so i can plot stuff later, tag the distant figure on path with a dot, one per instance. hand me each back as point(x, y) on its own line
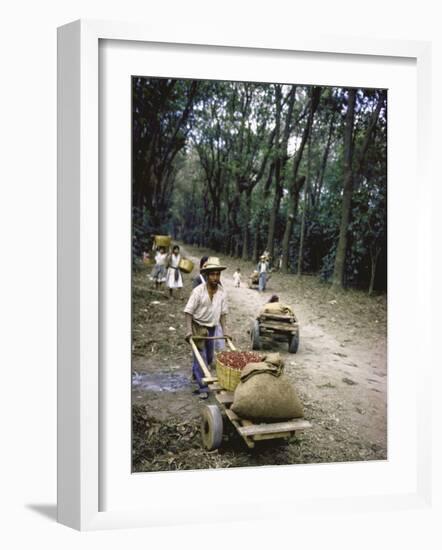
point(262, 269)
point(174, 279)
point(200, 277)
point(158, 274)
point(237, 278)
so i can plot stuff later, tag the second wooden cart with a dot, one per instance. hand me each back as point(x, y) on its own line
point(275, 325)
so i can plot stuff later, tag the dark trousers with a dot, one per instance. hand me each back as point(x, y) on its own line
point(207, 355)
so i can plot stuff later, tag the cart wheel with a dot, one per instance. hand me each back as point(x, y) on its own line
point(211, 427)
point(256, 340)
point(293, 343)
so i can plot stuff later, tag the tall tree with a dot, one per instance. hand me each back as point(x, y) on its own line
point(338, 272)
point(305, 206)
point(161, 112)
point(319, 182)
point(281, 158)
point(218, 169)
point(297, 183)
point(341, 250)
point(255, 145)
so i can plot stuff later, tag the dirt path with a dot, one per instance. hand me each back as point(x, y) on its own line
point(339, 369)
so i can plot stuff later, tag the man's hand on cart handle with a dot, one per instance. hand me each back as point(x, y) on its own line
point(188, 336)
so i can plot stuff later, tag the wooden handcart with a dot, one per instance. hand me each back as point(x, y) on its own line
point(214, 413)
point(274, 325)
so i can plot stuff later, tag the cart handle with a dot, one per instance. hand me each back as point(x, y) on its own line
point(198, 355)
point(200, 359)
point(210, 337)
point(226, 338)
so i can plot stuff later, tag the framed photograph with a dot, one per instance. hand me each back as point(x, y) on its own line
point(227, 213)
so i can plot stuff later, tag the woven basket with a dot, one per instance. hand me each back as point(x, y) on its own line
point(227, 378)
point(185, 265)
point(162, 240)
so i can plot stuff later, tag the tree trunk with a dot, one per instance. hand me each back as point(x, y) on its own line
point(371, 127)
point(316, 194)
point(273, 215)
point(234, 205)
point(246, 228)
point(291, 215)
point(374, 261)
point(233, 246)
point(304, 210)
point(277, 173)
point(341, 250)
point(281, 160)
point(255, 254)
point(237, 248)
point(297, 184)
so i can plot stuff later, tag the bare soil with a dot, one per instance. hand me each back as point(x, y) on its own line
point(339, 372)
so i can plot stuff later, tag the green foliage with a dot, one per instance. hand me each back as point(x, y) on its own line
point(142, 231)
point(205, 159)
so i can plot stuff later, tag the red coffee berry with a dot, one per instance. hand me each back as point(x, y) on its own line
point(238, 359)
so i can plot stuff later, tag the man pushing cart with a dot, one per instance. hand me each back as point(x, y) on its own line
point(205, 309)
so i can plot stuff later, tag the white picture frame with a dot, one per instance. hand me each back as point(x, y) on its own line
point(80, 395)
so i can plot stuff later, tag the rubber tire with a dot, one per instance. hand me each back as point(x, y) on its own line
point(256, 340)
point(211, 427)
point(293, 343)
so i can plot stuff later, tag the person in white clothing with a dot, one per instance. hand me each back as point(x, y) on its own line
point(263, 268)
point(158, 274)
point(237, 278)
point(201, 279)
point(205, 309)
point(174, 279)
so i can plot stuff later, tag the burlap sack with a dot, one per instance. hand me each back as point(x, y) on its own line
point(274, 358)
point(277, 308)
point(264, 393)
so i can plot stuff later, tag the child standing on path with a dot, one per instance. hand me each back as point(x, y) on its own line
point(237, 278)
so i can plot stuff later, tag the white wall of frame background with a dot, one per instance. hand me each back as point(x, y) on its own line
point(28, 274)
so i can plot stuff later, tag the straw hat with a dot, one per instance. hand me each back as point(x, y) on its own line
point(212, 264)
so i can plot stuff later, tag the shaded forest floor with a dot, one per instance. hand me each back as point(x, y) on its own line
point(339, 371)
